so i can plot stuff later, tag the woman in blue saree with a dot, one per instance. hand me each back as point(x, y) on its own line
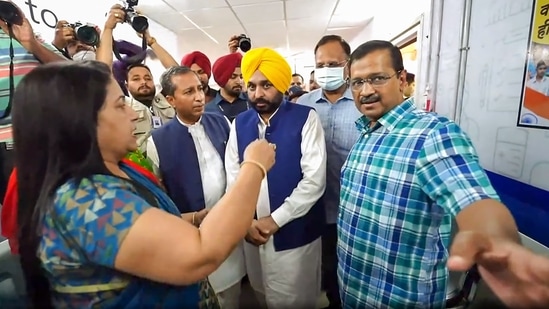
point(94, 232)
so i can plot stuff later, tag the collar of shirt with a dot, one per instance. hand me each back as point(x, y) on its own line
point(218, 98)
point(271, 117)
point(543, 79)
point(189, 125)
point(318, 95)
point(390, 120)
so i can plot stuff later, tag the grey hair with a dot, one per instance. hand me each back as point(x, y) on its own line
point(166, 79)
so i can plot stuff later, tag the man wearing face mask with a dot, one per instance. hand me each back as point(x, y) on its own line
point(336, 110)
point(283, 246)
point(65, 41)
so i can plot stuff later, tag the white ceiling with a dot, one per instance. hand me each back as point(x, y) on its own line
point(293, 27)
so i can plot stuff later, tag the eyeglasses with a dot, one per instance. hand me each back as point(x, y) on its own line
point(375, 81)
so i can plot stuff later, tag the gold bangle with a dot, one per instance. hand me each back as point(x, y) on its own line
point(194, 215)
point(151, 42)
point(261, 167)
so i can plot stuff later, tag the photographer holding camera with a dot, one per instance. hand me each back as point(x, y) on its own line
point(231, 98)
point(76, 41)
point(30, 51)
point(152, 108)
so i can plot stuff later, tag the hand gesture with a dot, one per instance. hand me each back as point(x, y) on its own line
point(519, 277)
point(115, 16)
point(233, 44)
point(267, 226)
point(261, 152)
point(22, 33)
point(255, 236)
point(63, 34)
point(200, 215)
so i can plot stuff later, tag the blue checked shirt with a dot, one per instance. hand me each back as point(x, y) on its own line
point(338, 120)
point(403, 181)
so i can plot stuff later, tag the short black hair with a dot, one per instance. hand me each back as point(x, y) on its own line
point(334, 38)
point(297, 74)
point(375, 45)
point(166, 79)
point(410, 78)
point(137, 65)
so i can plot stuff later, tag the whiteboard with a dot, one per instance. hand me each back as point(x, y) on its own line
point(494, 75)
point(446, 85)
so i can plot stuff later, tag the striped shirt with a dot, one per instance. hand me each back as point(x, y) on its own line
point(23, 63)
point(403, 181)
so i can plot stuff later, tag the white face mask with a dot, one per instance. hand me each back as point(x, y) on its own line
point(330, 78)
point(84, 55)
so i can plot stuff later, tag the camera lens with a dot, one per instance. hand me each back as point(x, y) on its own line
point(140, 24)
point(244, 44)
point(87, 35)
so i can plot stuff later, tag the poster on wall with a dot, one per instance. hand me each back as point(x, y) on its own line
point(534, 108)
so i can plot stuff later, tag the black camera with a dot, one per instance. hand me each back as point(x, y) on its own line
point(9, 13)
point(244, 43)
point(139, 23)
point(85, 33)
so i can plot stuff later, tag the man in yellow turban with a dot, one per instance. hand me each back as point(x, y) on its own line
point(270, 68)
point(283, 245)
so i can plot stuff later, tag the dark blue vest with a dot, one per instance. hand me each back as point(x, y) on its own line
point(179, 166)
point(284, 131)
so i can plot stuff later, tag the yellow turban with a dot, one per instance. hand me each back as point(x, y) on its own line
point(275, 68)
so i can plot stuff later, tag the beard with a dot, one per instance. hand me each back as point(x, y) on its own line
point(205, 85)
point(140, 95)
point(234, 91)
point(266, 107)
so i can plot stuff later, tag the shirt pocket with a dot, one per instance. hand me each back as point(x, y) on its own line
point(142, 124)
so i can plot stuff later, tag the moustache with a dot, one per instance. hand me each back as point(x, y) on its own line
point(369, 99)
point(144, 87)
point(258, 101)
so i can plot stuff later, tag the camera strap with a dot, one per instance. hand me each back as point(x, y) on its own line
point(133, 59)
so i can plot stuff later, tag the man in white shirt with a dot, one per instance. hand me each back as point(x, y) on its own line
point(283, 245)
point(540, 82)
point(187, 154)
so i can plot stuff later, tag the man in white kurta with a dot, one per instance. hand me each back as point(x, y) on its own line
point(187, 155)
point(283, 248)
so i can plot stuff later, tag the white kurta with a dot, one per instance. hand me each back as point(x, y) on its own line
point(290, 278)
point(212, 173)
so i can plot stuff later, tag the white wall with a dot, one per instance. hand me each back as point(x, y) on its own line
point(498, 41)
point(43, 15)
point(390, 19)
point(444, 78)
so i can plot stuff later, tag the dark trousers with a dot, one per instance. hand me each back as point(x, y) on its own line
point(329, 265)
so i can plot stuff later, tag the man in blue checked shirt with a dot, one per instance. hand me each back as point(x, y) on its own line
point(407, 176)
